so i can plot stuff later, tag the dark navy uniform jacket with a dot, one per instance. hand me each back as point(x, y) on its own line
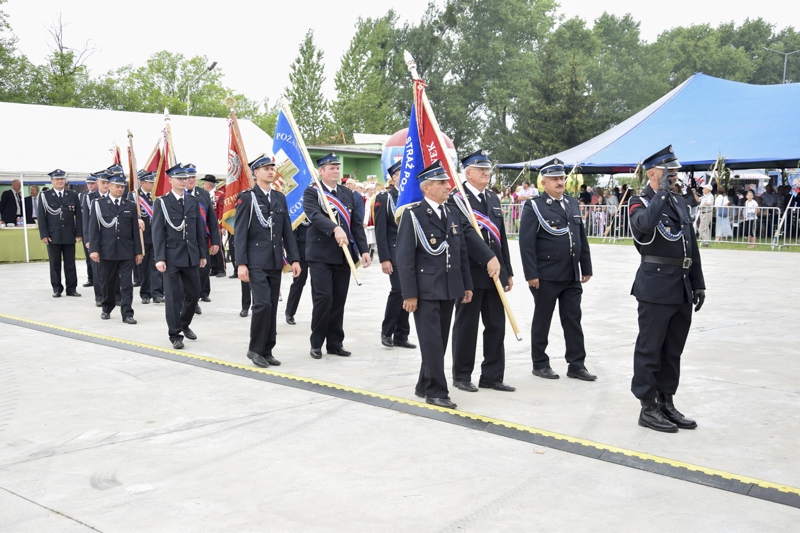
point(385, 226)
point(120, 242)
point(212, 225)
point(86, 198)
point(320, 244)
point(178, 248)
point(300, 233)
point(550, 257)
point(65, 227)
point(255, 245)
point(664, 284)
point(143, 216)
point(482, 248)
point(426, 276)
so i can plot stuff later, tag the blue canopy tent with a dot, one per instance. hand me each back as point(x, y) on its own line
point(751, 126)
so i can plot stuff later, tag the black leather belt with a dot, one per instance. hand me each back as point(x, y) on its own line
point(685, 262)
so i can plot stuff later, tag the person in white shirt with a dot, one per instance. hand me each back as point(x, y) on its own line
point(723, 213)
point(706, 214)
point(750, 216)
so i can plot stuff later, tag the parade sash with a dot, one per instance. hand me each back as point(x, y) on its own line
point(339, 207)
point(480, 218)
point(204, 215)
point(147, 208)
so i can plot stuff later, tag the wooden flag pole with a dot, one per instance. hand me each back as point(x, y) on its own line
point(132, 169)
point(412, 67)
point(345, 247)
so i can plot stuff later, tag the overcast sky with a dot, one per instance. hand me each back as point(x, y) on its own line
point(255, 41)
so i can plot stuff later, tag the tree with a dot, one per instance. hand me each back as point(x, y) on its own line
point(363, 86)
point(63, 77)
point(308, 104)
point(15, 69)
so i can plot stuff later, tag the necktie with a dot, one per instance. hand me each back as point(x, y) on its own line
point(180, 201)
point(443, 215)
point(482, 199)
point(116, 201)
point(147, 195)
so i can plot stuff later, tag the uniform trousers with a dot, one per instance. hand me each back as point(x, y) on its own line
point(568, 296)
point(657, 357)
point(246, 296)
point(329, 284)
point(486, 305)
point(89, 269)
point(149, 273)
point(218, 261)
point(296, 290)
point(266, 286)
point(205, 284)
point(116, 275)
point(98, 282)
point(180, 304)
point(395, 318)
point(432, 321)
point(55, 252)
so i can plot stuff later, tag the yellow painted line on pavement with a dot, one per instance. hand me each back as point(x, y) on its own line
point(520, 427)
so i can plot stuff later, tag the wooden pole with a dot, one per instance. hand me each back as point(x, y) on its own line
point(132, 169)
point(412, 67)
point(345, 247)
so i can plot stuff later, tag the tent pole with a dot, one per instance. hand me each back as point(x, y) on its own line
point(24, 217)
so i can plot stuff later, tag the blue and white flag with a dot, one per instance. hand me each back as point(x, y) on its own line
point(413, 163)
point(293, 174)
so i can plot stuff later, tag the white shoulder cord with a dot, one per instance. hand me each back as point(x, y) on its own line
point(101, 220)
point(48, 208)
point(167, 219)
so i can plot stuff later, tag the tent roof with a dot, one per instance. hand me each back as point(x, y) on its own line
point(751, 126)
point(37, 139)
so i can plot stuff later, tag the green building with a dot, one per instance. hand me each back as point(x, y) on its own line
point(358, 160)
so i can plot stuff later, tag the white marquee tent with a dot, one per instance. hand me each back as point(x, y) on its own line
point(37, 139)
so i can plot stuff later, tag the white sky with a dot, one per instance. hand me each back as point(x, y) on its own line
point(254, 42)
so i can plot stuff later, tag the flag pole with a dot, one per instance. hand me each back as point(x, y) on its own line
point(345, 247)
point(25, 216)
point(135, 182)
point(412, 67)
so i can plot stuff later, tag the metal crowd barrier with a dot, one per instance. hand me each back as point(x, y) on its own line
point(788, 233)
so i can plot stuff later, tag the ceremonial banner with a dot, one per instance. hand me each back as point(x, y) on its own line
point(423, 147)
point(162, 159)
point(292, 173)
point(239, 178)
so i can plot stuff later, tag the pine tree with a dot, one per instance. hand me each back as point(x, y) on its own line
point(305, 96)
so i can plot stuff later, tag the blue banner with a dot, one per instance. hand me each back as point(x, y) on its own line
point(413, 164)
point(293, 174)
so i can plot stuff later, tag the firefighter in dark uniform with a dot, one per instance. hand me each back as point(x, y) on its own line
point(262, 231)
point(60, 227)
point(434, 271)
point(298, 283)
point(330, 273)
point(212, 229)
point(86, 208)
point(669, 281)
point(114, 244)
point(488, 259)
point(86, 198)
point(556, 261)
point(395, 327)
point(150, 277)
point(180, 249)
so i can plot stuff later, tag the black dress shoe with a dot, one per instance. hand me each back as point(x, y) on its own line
point(496, 386)
point(73, 293)
point(98, 304)
point(158, 300)
point(137, 284)
point(257, 359)
point(339, 351)
point(667, 408)
point(129, 320)
point(403, 343)
point(145, 301)
point(233, 276)
point(387, 341)
point(651, 417)
point(205, 298)
point(316, 353)
point(243, 313)
point(441, 402)
point(88, 284)
point(419, 394)
point(105, 316)
point(582, 374)
point(545, 372)
point(177, 344)
point(290, 320)
point(56, 295)
point(198, 311)
point(220, 274)
point(189, 334)
point(272, 361)
point(467, 386)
